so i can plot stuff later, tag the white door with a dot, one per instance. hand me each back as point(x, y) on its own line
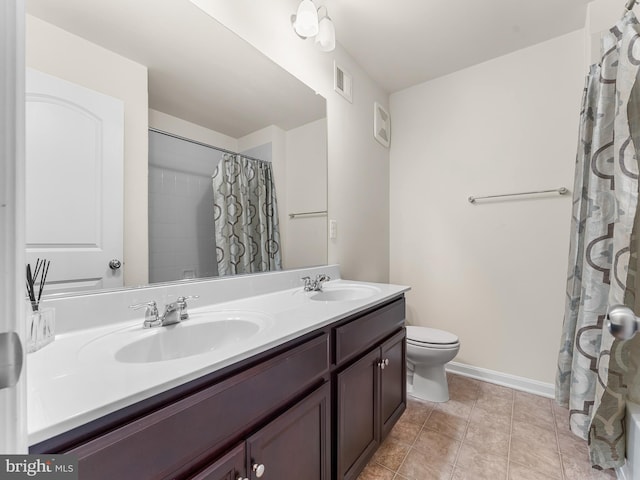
point(74, 183)
point(13, 415)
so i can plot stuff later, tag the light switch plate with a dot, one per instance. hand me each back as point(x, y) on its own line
point(333, 229)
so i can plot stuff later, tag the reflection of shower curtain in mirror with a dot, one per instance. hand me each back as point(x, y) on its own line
point(245, 216)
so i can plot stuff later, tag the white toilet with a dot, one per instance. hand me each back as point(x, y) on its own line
point(428, 351)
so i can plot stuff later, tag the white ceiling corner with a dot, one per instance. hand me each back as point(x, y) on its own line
point(401, 43)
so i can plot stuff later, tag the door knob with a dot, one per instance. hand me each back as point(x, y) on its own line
point(10, 359)
point(115, 264)
point(622, 322)
point(258, 469)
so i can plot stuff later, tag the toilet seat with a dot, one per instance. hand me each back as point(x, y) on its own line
point(431, 338)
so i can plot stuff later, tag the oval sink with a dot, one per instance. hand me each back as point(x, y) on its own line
point(203, 332)
point(185, 340)
point(344, 293)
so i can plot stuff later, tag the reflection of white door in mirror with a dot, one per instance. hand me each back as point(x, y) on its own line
point(74, 187)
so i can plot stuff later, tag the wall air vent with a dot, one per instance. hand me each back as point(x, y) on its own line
point(342, 82)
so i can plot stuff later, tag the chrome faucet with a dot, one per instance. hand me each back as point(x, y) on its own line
point(315, 285)
point(182, 306)
point(173, 312)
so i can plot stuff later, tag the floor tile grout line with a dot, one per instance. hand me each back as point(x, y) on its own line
point(464, 435)
point(513, 414)
point(385, 467)
point(397, 472)
point(434, 407)
point(555, 429)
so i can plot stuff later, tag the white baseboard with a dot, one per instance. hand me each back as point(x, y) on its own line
point(504, 379)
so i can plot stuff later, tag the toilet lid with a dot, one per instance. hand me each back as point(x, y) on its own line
point(430, 335)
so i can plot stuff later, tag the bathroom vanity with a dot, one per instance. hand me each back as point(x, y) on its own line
point(314, 404)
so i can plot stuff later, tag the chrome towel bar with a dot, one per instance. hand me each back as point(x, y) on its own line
point(561, 191)
point(307, 214)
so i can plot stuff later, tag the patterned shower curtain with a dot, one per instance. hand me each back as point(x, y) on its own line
point(594, 369)
point(245, 216)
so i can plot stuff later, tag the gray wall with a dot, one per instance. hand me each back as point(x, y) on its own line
point(181, 228)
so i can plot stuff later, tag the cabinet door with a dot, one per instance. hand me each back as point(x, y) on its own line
point(229, 467)
point(357, 415)
point(393, 384)
point(296, 445)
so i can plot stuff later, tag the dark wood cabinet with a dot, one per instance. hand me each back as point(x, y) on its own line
point(357, 409)
point(371, 397)
point(393, 383)
point(231, 466)
point(297, 444)
point(314, 408)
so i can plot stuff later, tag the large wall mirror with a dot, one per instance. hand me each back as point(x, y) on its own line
point(130, 107)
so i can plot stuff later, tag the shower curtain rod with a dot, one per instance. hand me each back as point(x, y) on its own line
point(223, 150)
point(561, 191)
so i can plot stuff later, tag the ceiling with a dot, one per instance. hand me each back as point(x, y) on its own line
point(401, 43)
point(198, 70)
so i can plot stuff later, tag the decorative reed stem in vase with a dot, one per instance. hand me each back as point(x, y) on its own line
point(40, 321)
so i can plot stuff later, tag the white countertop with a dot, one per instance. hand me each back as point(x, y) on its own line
point(76, 379)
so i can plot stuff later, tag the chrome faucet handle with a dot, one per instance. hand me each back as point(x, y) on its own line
point(182, 305)
point(308, 284)
point(320, 279)
point(151, 316)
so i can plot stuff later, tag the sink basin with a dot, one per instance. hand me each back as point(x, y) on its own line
point(184, 340)
point(202, 333)
point(344, 293)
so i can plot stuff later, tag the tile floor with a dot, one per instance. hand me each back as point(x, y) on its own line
point(483, 432)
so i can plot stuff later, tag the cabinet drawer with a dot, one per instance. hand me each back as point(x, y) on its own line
point(358, 335)
point(186, 432)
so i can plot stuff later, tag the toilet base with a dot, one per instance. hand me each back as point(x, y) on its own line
point(429, 383)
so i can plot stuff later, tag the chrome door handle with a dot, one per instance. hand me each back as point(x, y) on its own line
point(11, 355)
point(622, 322)
point(115, 264)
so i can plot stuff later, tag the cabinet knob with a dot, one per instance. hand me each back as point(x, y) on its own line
point(383, 363)
point(242, 478)
point(258, 469)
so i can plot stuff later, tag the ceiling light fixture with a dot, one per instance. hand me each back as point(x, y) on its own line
point(307, 22)
point(326, 37)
